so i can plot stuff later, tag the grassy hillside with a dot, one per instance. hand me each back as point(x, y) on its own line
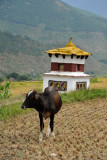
point(49, 21)
point(50, 16)
point(23, 55)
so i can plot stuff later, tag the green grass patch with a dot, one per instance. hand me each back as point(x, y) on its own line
point(83, 95)
point(95, 80)
point(9, 111)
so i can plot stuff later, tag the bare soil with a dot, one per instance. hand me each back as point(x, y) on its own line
point(80, 130)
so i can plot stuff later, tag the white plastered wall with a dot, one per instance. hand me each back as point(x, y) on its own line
point(67, 59)
point(71, 81)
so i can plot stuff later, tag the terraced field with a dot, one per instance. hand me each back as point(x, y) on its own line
point(80, 129)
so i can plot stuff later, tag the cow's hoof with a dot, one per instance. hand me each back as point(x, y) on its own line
point(53, 135)
point(48, 132)
point(40, 137)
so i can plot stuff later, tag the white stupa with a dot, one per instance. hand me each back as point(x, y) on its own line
point(67, 69)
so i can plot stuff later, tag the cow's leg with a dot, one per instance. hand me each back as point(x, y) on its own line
point(48, 129)
point(41, 127)
point(52, 125)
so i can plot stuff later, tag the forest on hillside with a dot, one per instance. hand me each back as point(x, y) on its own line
point(23, 56)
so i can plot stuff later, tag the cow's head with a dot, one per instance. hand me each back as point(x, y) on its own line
point(31, 99)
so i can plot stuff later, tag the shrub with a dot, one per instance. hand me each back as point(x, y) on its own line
point(17, 77)
point(24, 78)
point(5, 90)
point(13, 75)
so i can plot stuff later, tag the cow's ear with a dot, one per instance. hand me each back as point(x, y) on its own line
point(36, 96)
point(56, 90)
point(24, 94)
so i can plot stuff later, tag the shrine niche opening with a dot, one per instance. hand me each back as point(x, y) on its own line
point(60, 85)
point(81, 85)
point(61, 67)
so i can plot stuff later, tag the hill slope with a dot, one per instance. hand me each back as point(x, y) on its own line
point(20, 55)
point(48, 17)
point(23, 55)
point(51, 21)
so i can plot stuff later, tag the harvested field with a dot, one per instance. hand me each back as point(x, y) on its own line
point(80, 129)
point(102, 83)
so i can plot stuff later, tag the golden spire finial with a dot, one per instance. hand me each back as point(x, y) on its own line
point(70, 44)
point(70, 39)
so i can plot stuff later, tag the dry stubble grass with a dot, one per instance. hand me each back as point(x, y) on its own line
point(18, 89)
point(80, 129)
point(102, 83)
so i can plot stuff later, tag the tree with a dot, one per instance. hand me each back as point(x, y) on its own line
point(13, 75)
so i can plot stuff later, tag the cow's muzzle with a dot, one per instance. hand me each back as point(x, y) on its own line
point(23, 107)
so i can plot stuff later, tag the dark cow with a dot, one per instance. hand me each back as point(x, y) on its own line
point(47, 104)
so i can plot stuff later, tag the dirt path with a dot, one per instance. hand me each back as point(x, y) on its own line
point(80, 129)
